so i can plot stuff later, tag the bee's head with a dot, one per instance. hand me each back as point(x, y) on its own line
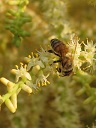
point(54, 41)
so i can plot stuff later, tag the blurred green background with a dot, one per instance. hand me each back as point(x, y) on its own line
point(56, 105)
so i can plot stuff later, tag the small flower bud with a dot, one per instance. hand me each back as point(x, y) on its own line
point(10, 105)
point(10, 86)
point(27, 59)
point(36, 69)
point(14, 100)
point(4, 81)
point(26, 88)
point(13, 71)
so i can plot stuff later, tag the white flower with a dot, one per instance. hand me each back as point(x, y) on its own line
point(22, 72)
point(90, 47)
point(32, 85)
point(33, 62)
point(75, 51)
point(90, 51)
point(82, 56)
point(43, 55)
point(42, 79)
point(75, 46)
point(46, 57)
point(77, 62)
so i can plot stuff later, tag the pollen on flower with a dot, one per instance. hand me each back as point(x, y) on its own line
point(43, 83)
point(36, 55)
point(32, 54)
point(38, 84)
point(21, 64)
point(29, 56)
point(16, 66)
point(25, 66)
point(22, 72)
point(42, 80)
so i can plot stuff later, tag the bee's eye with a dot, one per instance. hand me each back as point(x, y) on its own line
point(54, 41)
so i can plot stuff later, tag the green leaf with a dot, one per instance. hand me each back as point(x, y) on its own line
point(16, 41)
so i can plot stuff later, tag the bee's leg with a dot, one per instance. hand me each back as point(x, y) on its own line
point(51, 51)
point(56, 61)
point(58, 69)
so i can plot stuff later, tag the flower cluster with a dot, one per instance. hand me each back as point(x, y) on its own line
point(38, 66)
point(83, 53)
point(29, 77)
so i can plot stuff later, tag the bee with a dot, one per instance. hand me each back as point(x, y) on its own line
point(61, 50)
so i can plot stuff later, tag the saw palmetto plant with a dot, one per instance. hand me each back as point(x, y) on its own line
point(51, 53)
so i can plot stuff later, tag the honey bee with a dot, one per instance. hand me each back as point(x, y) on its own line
point(61, 50)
